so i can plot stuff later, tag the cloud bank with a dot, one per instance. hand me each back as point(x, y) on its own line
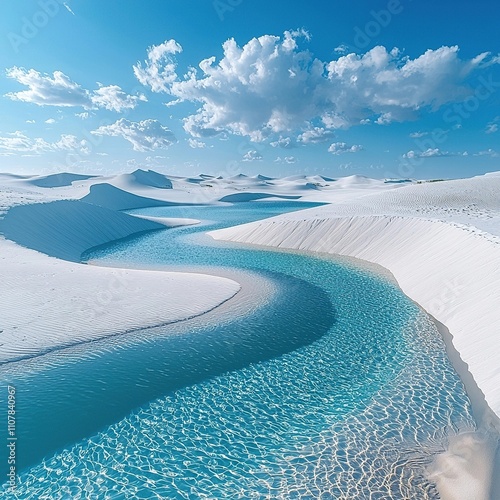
point(146, 135)
point(18, 142)
point(60, 90)
point(271, 85)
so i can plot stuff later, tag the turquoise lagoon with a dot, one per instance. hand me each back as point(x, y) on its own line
point(335, 386)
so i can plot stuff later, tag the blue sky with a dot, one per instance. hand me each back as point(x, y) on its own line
point(393, 88)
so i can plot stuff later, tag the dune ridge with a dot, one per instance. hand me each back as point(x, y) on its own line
point(66, 228)
point(109, 196)
point(59, 180)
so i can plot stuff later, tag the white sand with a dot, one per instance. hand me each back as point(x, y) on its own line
point(48, 303)
point(444, 268)
point(428, 237)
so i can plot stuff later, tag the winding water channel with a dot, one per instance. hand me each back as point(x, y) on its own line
point(332, 383)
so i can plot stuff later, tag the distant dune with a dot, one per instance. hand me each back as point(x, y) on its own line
point(108, 196)
point(58, 180)
point(152, 178)
point(65, 229)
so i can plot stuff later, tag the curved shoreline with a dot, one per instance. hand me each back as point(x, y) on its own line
point(405, 247)
point(401, 246)
point(480, 407)
point(52, 301)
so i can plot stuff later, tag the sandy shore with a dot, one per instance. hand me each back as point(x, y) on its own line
point(48, 304)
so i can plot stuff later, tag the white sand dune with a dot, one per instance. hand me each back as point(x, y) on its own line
point(49, 304)
point(141, 181)
point(246, 196)
point(58, 180)
point(151, 178)
point(109, 196)
point(449, 270)
point(359, 181)
point(432, 238)
point(66, 228)
point(439, 240)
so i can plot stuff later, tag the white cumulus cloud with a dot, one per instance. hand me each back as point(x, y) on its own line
point(417, 135)
point(158, 70)
point(316, 135)
point(60, 90)
point(338, 148)
point(270, 85)
point(341, 49)
point(18, 142)
point(283, 142)
point(432, 152)
point(425, 154)
point(44, 90)
point(114, 98)
point(146, 135)
point(252, 155)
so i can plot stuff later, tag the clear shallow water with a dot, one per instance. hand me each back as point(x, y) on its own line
point(339, 386)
